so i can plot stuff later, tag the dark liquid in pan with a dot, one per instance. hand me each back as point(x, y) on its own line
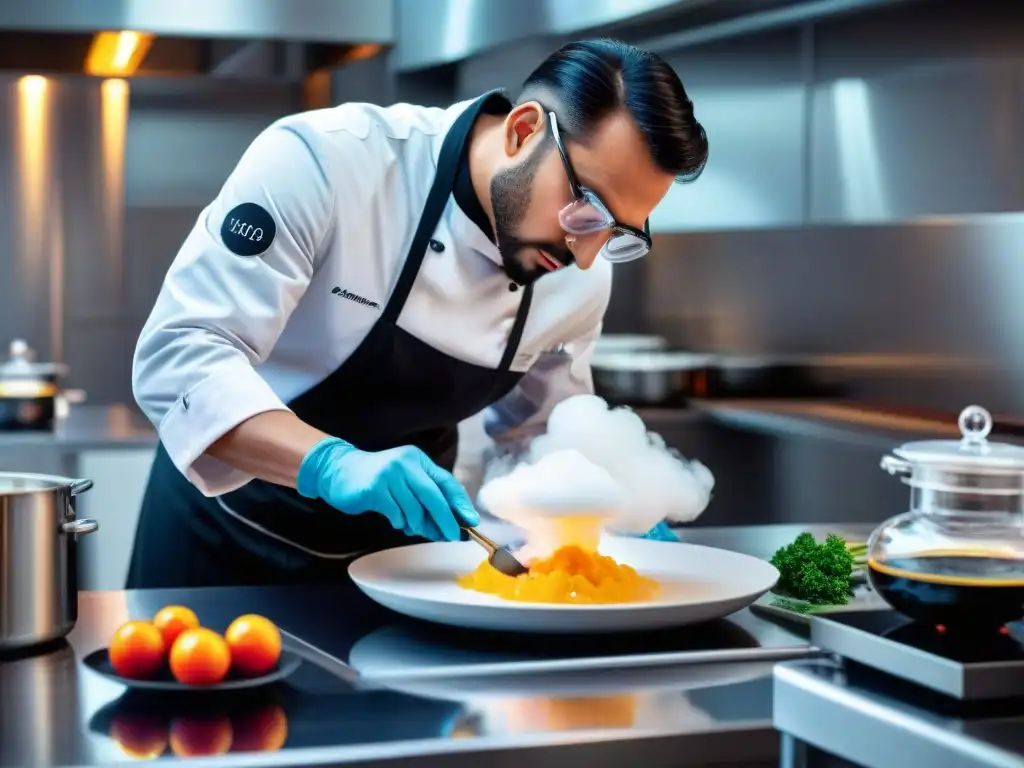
point(965, 591)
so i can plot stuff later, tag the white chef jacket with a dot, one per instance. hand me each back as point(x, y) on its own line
point(232, 336)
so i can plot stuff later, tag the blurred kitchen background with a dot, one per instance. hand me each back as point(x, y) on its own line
point(861, 210)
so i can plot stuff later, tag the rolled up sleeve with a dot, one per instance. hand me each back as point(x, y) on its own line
point(227, 297)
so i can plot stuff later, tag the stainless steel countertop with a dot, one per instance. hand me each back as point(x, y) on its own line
point(763, 540)
point(848, 422)
point(110, 426)
point(666, 717)
point(677, 715)
point(88, 427)
point(819, 702)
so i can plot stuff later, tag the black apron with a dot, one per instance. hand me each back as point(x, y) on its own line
point(394, 390)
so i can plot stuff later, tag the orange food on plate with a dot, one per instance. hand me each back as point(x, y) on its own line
point(200, 657)
point(137, 650)
point(173, 620)
point(200, 736)
point(255, 645)
point(571, 575)
point(265, 730)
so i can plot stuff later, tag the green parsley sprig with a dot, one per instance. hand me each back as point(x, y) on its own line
point(818, 573)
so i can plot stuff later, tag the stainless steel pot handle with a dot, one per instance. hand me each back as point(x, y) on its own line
point(79, 486)
point(80, 527)
point(897, 467)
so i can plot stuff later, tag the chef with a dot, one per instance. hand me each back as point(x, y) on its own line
point(367, 278)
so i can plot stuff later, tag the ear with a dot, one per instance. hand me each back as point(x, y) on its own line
point(523, 125)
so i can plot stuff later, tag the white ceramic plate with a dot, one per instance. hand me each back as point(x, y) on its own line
point(698, 584)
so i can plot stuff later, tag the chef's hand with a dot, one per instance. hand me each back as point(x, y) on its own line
point(417, 497)
point(661, 532)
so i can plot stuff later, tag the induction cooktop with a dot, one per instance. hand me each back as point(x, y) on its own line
point(974, 667)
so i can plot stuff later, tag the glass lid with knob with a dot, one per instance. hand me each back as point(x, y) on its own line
point(21, 363)
point(956, 557)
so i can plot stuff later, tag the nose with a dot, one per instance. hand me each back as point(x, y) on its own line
point(585, 248)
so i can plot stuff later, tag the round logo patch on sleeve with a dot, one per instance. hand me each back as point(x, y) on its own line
point(248, 230)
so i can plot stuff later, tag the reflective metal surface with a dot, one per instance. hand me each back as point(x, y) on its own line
point(762, 19)
point(876, 721)
point(65, 204)
point(410, 651)
point(885, 142)
point(318, 716)
point(931, 302)
point(38, 558)
point(39, 699)
point(880, 153)
point(326, 714)
point(434, 32)
point(978, 667)
point(750, 96)
point(850, 120)
point(106, 179)
point(310, 20)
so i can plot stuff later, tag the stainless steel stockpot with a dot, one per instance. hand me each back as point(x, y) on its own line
point(39, 533)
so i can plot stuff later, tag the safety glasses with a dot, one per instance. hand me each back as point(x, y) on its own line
point(587, 215)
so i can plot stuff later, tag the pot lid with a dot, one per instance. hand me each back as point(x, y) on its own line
point(628, 342)
point(21, 363)
point(972, 452)
point(649, 360)
point(18, 483)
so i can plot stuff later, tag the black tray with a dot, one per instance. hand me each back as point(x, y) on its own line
point(99, 662)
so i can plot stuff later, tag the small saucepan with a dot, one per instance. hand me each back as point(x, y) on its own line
point(28, 390)
point(768, 377)
point(668, 378)
point(648, 378)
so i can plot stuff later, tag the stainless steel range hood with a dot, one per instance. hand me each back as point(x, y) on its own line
point(430, 33)
point(435, 32)
point(268, 39)
point(327, 21)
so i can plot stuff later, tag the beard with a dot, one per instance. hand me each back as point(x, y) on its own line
point(510, 199)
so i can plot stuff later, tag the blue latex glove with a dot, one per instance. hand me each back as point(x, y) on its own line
point(417, 497)
point(661, 532)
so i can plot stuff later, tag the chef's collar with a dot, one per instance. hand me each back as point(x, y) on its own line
point(467, 199)
point(469, 223)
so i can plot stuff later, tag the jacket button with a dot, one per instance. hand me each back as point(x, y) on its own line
point(436, 246)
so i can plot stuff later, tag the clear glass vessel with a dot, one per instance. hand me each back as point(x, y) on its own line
point(956, 558)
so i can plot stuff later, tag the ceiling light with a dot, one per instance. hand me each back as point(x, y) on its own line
point(117, 54)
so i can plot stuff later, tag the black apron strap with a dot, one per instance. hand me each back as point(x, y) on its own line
point(516, 334)
point(433, 209)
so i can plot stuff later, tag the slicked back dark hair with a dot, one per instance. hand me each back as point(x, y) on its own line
point(590, 80)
